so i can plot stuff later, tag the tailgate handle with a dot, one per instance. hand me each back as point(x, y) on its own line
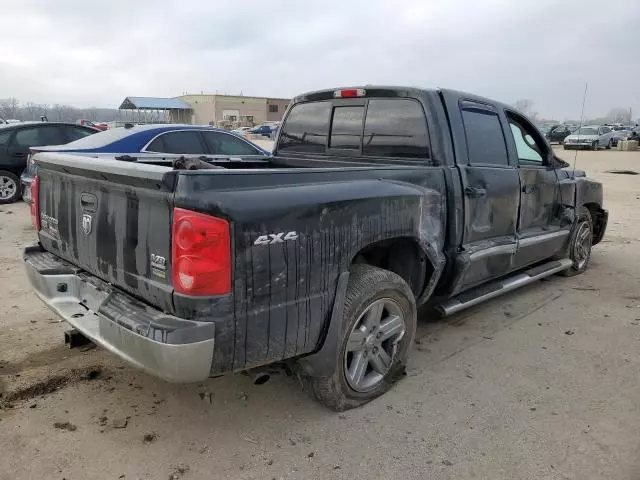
point(89, 202)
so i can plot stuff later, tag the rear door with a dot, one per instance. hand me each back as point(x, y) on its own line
point(491, 190)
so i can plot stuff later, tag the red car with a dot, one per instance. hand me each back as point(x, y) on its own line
point(89, 123)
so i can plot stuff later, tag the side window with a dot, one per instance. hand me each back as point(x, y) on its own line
point(5, 137)
point(525, 145)
point(485, 139)
point(227, 144)
point(76, 133)
point(273, 108)
point(346, 127)
point(530, 149)
point(39, 136)
point(187, 142)
point(395, 128)
point(306, 128)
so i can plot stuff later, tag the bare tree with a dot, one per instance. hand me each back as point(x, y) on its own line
point(31, 111)
point(9, 108)
point(526, 106)
point(619, 115)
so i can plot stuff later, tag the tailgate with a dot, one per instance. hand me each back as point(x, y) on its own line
point(110, 218)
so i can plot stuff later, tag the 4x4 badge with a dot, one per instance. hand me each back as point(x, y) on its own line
point(86, 224)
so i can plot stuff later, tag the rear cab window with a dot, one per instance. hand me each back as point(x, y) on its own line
point(383, 128)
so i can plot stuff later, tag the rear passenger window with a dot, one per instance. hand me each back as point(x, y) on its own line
point(227, 144)
point(39, 136)
point(485, 139)
point(306, 128)
point(76, 133)
point(177, 142)
point(395, 128)
point(346, 127)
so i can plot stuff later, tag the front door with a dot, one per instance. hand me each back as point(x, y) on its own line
point(540, 230)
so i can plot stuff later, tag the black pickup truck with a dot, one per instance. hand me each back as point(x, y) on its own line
point(377, 200)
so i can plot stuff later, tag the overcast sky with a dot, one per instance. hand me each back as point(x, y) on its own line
point(95, 53)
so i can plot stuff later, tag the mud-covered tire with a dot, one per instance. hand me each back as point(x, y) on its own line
point(368, 288)
point(9, 187)
point(580, 242)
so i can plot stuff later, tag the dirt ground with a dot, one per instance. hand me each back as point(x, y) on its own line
point(538, 384)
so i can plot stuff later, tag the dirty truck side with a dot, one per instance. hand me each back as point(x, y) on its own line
point(377, 200)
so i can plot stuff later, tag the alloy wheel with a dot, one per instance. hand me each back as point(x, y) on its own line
point(8, 187)
point(372, 344)
point(582, 246)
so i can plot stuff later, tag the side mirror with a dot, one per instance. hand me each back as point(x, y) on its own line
point(557, 162)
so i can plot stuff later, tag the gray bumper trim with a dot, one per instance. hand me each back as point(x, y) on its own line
point(79, 306)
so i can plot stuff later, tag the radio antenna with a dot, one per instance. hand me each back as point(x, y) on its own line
point(584, 100)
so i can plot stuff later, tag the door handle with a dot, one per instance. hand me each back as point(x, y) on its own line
point(474, 192)
point(19, 155)
point(529, 189)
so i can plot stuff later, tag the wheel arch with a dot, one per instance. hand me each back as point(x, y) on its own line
point(406, 257)
point(598, 220)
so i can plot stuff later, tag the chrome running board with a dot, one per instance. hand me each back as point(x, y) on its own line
point(494, 289)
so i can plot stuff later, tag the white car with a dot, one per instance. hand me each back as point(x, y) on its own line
point(590, 136)
point(242, 130)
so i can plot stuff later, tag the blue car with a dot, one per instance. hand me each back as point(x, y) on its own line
point(151, 141)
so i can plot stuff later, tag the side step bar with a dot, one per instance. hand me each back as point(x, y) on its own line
point(497, 288)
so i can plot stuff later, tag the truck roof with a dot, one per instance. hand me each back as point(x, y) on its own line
point(392, 91)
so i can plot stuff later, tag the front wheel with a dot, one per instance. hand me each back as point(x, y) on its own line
point(9, 187)
point(379, 324)
point(595, 146)
point(609, 145)
point(580, 241)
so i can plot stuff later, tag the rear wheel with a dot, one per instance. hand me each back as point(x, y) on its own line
point(378, 328)
point(579, 249)
point(9, 187)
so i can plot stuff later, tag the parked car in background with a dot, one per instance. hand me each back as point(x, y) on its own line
point(153, 140)
point(15, 141)
point(558, 133)
point(264, 130)
point(590, 136)
point(620, 135)
point(242, 130)
point(89, 123)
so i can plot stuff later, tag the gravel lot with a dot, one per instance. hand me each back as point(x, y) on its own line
point(538, 384)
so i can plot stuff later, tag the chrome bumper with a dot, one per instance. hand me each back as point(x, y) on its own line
point(172, 348)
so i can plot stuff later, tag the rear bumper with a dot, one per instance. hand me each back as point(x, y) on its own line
point(172, 348)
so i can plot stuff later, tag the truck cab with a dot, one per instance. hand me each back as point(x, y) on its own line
point(377, 200)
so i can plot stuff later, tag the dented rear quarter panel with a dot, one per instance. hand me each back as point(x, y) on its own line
point(283, 292)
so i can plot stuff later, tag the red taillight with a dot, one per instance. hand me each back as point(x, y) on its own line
point(35, 202)
point(200, 254)
point(349, 93)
